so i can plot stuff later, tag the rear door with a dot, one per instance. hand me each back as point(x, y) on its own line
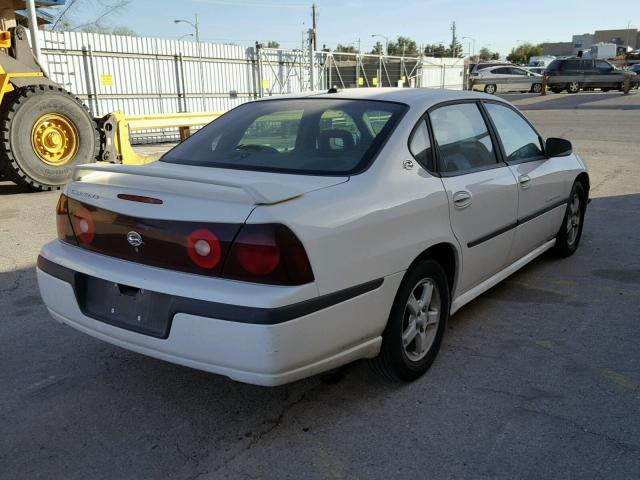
point(520, 79)
point(541, 181)
point(482, 191)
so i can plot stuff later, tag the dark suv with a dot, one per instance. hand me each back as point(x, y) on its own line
point(572, 74)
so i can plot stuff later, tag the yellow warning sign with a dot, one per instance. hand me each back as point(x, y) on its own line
point(106, 80)
point(265, 83)
point(360, 81)
point(374, 81)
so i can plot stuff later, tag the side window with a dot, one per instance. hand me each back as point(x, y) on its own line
point(572, 65)
point(500, 71)
point(519, 140)
point(517, 71)
point(603, 66)
point(420, 146)
point(338, 132)
point(462, 137)
point(376, 120)
point(276, 132)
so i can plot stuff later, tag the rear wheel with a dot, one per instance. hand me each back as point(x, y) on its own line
point(490, 89)
point(568, 237)
point(416, 324)
point(573, 87)
point(44, 133)
point(536, 88)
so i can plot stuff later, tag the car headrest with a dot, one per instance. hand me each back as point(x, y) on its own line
point(327, 140)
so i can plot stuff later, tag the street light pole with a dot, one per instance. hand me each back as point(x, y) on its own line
point(196, 27)
point(473, 54)
point(386, 42)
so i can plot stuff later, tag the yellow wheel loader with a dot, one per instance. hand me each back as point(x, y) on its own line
point(45, 131)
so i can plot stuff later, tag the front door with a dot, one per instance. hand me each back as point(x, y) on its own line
point(482, 192)
point(541, 181)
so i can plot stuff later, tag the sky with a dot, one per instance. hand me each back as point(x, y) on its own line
point(498, 25)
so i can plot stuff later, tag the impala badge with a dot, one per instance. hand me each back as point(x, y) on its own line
point(134, 239)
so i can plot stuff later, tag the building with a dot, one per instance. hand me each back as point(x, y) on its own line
point(625, 37)
point(557, 49)
point(582, 42)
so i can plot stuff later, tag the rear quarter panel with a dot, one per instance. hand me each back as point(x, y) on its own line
point(372, 226)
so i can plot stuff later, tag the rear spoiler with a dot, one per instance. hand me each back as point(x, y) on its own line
point(262, 193)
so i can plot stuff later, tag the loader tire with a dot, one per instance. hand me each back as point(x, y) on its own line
point(45, 132)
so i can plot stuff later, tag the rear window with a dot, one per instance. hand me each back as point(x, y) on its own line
point(306, 136)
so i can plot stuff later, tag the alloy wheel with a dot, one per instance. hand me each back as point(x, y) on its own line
point(573, 220)
point(421, 319)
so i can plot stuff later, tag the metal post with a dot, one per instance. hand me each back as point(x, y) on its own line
point(93, 82)
point(260, 79)
point(199, 45)
point(87, 76)
point(311, 63)
point(33, 29)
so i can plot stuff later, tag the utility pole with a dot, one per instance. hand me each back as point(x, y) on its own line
point(453, 41)
point(314, 38)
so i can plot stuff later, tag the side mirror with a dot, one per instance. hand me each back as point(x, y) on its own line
point(558, 147)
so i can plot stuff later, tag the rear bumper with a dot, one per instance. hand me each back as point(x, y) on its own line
point(291, 342)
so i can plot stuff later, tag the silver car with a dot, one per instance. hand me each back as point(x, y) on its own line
point(506, 79)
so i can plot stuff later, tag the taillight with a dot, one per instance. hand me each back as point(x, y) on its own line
point(83, 225)
point(63, 222)
point(268, 253)
point(203, 248)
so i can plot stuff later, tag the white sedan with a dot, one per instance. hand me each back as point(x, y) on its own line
point(297, 234)
point(506, 78)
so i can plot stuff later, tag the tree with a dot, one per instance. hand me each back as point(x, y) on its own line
point(455, 51)
point(403, 46)
point(437, 50)
point(522, 53)
point(378, 49)
point(103, 9)
point(273, 44)
point(486, 54)
point(346, 48)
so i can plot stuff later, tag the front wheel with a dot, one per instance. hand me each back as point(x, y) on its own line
point(412, 337)
point(536, 88)
point(490, 89)
point(568, 237)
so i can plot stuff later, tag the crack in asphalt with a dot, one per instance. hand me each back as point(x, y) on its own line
point(257, 438)
point(618, 443)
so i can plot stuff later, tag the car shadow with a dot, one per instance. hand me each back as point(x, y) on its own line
point(68, 399)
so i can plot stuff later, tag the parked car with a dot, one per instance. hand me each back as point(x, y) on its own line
point(635, 68)
point(536, 70)
point(476, 67)
point(507, 79)
point(573, 74)
point(294, 235)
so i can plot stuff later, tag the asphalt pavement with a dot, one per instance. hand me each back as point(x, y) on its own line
point(537, 379)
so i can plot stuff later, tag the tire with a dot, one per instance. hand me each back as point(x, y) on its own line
point(573, 87)
point(407, 362)
point(30, 116)
point(568, 238)
point(490, 88)
point(536, 88)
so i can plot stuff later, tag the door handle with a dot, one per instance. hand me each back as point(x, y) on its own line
point(462, 199)
point(525, 181)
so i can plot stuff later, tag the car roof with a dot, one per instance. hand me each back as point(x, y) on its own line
point(414, 97)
